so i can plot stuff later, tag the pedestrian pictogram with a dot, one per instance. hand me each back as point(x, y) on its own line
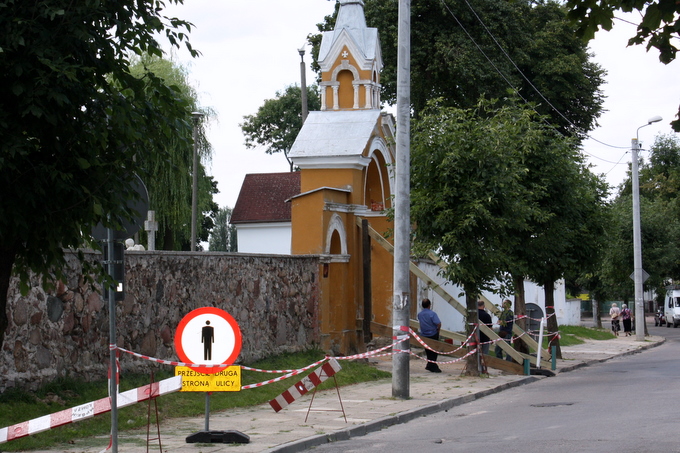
point(208, 336)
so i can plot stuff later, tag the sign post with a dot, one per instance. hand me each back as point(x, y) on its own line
point(209, 339)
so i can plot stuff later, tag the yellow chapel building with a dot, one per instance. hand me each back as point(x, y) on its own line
point(346, 156)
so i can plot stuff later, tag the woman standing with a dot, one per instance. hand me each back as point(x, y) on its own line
point(614, 312)
point(626, 318)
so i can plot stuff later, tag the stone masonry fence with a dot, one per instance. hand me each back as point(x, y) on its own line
point(65, 331)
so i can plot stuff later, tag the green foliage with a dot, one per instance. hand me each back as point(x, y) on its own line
point(468, 192)
point(659, 225)
point(279, 120)
point(223, 235)
point(170, 173)
point(447, 41)
point(18, 406)
point(659, 27)
point(76, 125)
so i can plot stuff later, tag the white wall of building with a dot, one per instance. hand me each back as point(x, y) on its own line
point(270, 238)
point(568, 312)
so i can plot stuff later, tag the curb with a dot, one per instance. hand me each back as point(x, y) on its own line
point(644, 347)
point(402, 417)
point(429, 409)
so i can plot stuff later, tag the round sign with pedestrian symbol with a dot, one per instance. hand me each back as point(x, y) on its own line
point(209, 337)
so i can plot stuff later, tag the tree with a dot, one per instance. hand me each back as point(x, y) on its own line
point(467, 194)
point(170, 180)
point(75, 124)
point(660, 24)
point(450, 46)
point(279, 120)
point(659, 225)
point(572, 235)
point(223, 236)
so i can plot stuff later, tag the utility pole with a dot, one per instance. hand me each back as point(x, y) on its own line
point(401, 307)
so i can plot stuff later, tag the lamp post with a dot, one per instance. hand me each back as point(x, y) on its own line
point(194, 190)
point(303, 84)
point(637, 240)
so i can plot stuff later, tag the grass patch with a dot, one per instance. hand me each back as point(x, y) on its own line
point(573, 335)
point(18, 406)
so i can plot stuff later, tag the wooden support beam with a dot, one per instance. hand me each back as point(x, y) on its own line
point(533, 344)
point(461, 308)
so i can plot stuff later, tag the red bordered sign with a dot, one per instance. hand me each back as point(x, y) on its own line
point(208, 336)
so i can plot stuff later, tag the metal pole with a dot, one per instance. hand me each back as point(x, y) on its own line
point(303, 84)
point(637, 237)
point(402, 210)
point(207, 412)
point(113, 387)
point(637, 247)
point(194, 190)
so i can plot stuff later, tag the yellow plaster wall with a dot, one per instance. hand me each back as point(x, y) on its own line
point(311, 179)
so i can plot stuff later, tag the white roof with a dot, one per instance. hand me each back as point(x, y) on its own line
point(335, 133)
point(352, 20)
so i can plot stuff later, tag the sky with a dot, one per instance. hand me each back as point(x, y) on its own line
point(250, 51)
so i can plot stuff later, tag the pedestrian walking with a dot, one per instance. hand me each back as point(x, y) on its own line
point(614, 312)
point(627, 319)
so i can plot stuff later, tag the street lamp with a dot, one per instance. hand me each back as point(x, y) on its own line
point(194, 190)
point(637, 240)
point(303, 83)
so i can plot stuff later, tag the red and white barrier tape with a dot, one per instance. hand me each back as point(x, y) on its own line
point(306, 384)
point(88, 410)
point(173, 363)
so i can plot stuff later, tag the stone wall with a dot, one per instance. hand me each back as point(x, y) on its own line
point(65, 331)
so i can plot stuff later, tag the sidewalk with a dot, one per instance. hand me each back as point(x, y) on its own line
point(369, 407)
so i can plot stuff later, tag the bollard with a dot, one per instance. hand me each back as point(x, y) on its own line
point(527, 367)
point(553, 351)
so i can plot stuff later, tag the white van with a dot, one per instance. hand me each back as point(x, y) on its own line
point(672, 308)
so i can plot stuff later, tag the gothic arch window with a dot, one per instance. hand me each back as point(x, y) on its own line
point(336, 237)
point(379, 178)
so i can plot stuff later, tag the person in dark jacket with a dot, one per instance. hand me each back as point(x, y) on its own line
point(429, 328)
point(484, 318)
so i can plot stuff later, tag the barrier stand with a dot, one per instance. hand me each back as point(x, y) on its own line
point(337, 389)
point(152, 396)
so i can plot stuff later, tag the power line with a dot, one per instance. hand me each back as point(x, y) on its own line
point(522, 74)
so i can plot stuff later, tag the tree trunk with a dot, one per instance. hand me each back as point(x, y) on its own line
point(597, 316)
point(7, 258)
point(472, 362)
point(520, 312)
point(553, 328)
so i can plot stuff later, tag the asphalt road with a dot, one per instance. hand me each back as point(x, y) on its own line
point(627, 404)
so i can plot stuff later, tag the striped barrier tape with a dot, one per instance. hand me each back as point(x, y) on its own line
point(315, 378)
point(173, 363)
point(281, 378)
point(423, 344)
point(89, 410)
